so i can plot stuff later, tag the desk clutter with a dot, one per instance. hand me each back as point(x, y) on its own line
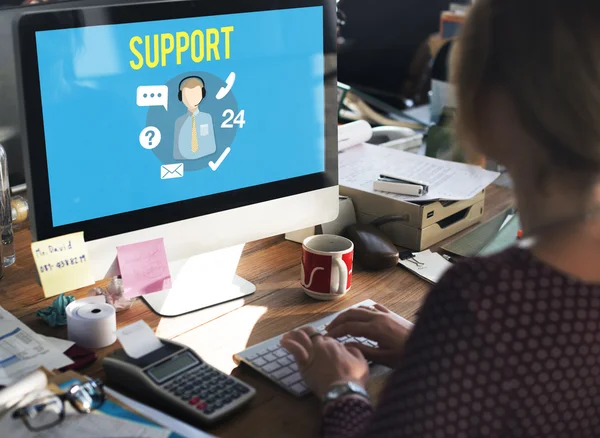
point(63, 265)
point(23, 351)
point(70, 405)
point(170, 376)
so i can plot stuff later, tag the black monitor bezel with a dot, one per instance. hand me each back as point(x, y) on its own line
point(32, 118)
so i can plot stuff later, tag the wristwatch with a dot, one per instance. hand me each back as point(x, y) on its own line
point(337, 391)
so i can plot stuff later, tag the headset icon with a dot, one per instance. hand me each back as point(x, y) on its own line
point(179, 94)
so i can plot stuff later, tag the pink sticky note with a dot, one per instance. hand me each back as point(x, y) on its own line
point(144, 268)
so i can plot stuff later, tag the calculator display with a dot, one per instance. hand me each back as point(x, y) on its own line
point(162, 372)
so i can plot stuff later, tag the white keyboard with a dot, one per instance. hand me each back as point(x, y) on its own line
point(273, 361)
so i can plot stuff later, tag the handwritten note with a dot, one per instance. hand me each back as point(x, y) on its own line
point(62, 263)
point(144, 268)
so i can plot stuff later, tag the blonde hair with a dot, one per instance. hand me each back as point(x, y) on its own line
point(192, 83)
point(544, 55)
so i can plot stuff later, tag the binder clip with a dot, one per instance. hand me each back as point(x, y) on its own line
point(409, 256)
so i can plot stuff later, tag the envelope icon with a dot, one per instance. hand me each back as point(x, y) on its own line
point(169, 171)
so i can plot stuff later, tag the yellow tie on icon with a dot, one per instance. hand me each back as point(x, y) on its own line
point(194, 136)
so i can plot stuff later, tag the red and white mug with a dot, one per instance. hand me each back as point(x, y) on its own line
point(326, 266)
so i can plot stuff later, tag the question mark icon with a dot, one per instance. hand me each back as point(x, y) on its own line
point(150, 137)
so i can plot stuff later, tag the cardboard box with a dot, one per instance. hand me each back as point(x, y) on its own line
point(416, 226)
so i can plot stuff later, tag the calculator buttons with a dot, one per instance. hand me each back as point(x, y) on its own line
point(241, 388)
point(208, 390)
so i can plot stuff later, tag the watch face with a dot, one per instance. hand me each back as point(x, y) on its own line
point(340, 390)
point(354, 387)
point(347, 388)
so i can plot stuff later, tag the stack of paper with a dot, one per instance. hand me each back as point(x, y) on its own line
point(22, 351)
point(359, 166)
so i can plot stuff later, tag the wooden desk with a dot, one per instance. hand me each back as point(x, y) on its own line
point(278, 305)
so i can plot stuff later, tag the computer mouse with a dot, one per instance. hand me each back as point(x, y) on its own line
point(373, 250)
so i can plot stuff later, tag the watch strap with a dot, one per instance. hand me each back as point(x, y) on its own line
point(340, 390)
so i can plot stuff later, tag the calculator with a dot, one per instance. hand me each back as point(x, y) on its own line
point(177, 381)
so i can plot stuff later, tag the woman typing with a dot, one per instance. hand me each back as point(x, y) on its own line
point(507, 345)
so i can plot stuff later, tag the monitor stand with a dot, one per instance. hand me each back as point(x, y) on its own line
point(201, 281)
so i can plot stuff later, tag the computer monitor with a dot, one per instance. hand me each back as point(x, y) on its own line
point(207, 124)
point(10, 137)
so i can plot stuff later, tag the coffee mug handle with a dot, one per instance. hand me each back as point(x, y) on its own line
point(343, 276)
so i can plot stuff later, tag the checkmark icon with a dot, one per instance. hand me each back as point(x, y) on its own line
point(215, 166)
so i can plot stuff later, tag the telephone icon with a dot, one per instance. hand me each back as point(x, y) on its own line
point(224, 91)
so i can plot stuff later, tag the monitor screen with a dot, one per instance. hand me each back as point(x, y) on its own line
point(142, 114)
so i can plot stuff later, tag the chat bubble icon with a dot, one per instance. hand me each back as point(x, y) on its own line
point(153, 95)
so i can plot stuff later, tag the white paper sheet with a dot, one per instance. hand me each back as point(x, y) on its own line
point(173, 424)
point(428, 265)
point(22, 351)
point(138, 339)
point(361, 165)
point(60, 344)
point(93, 425)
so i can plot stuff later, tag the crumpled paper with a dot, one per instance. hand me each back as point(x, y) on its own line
point(55, 315)
point(113, 294)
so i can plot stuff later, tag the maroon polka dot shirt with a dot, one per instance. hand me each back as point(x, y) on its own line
point(504, 346)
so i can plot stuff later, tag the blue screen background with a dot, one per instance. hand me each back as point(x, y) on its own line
point(92, 123)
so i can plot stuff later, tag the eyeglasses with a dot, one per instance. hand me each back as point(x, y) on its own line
point(47, 412)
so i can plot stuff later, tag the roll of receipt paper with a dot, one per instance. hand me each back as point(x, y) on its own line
point(91, 322)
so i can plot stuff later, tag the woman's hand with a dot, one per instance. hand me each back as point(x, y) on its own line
point(377, 324)
point(323, 361)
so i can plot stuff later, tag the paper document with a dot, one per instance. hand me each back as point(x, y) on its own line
point(60, 344)
point(93, 425)
point(62, 263)
point(22, 351)
point(428, 265)
point(361, 165)
point(173, 424)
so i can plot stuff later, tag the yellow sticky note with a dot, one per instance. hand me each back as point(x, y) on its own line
point(62, 263)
